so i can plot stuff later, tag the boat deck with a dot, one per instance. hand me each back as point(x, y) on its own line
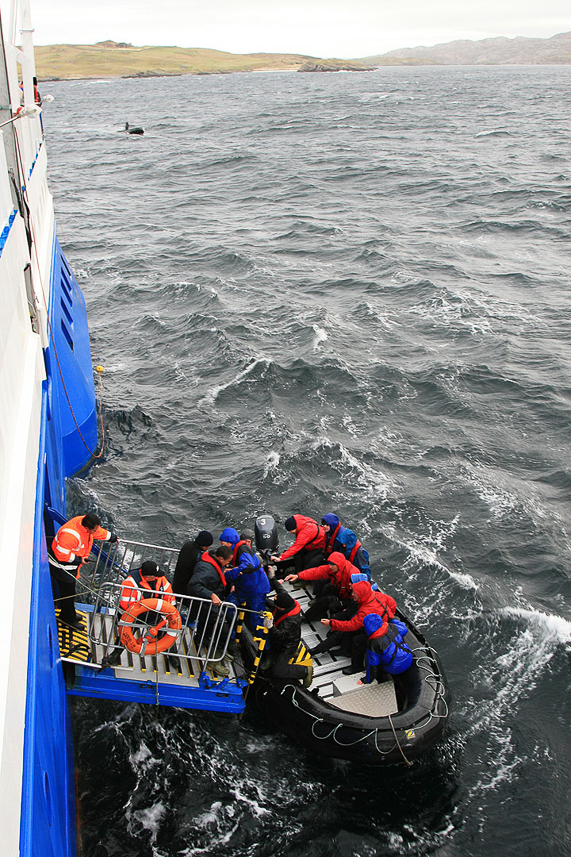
point(344, 691)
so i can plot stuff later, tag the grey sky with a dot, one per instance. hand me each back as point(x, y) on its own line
point(341, 28)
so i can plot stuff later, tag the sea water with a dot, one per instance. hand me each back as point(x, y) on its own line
point(337, 293)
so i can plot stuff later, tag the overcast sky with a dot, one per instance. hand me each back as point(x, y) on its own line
point(324, 28)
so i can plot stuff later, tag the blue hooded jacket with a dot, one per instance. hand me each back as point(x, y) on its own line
point(346, 541)
point(230, 535)
point(248, 575)
point(389, 651)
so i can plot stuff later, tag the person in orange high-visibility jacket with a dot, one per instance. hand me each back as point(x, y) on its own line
point(147, 582)
point(71, 548)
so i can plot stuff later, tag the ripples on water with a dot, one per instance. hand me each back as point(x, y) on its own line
point(338, 293)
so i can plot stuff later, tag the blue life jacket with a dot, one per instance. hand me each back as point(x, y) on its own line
point(389, 650)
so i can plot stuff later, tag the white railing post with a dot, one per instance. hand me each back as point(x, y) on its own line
point(6, 204)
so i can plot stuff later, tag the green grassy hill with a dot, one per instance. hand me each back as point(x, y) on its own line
point(110, 59)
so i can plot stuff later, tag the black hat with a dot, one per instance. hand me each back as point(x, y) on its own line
point(284, 601)
point(149, 568)
point(204, 539)
point(248, 534)
point(290, 524)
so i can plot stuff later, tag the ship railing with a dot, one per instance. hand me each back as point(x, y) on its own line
point(206, 630)
point(21, 72)
point(6, 203)
point(204, 635)
point(114, 562)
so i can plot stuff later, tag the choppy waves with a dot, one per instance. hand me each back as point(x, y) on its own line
point(337, 293)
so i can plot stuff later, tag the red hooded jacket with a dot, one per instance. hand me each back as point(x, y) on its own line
point(341, 579)
point(369, 601)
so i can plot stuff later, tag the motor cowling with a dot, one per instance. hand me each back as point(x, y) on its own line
point(266, 532)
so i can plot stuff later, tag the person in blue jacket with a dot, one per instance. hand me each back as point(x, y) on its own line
point(386, 651)
point(344, 540)
point(246, 574)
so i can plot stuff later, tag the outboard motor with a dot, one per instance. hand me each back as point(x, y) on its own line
point(266, 536)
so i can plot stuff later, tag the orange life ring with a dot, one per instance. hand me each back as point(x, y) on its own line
point(150, 643)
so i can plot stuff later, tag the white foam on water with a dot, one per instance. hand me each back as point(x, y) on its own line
point(554, 629)
point(424, 551)
point(382, 317)
point(515, 674)
point(320, 336)
point(455, 311)
point(365, 477)
point(214, 392)
point(141, 756)
point(272, 463)
point(495, 132)
point(210, 817)
point(150, 818)
point(253, 804)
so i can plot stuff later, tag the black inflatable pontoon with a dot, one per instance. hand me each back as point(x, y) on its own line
point(388, 722)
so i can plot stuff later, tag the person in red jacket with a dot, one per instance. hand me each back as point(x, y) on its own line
point(71, 548)
point(337, 592)
point(368, 601)
point(307, 550)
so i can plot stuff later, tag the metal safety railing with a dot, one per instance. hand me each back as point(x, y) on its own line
point(123, 620)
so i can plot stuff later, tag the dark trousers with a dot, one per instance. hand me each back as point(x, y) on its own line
point(358, 646)
point(307, 559)
point(282, 669)
point(301, 560)
point(63, 588)
point(323, 607)
point(207, 628)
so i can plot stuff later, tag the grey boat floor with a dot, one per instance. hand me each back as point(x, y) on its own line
point(346, 692)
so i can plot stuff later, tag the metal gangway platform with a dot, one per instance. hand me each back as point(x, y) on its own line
point(101, 664)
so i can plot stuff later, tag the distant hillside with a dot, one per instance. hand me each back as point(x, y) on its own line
point(498, 51)
point(117, 59)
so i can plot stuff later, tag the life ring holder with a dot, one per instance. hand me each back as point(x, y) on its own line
point(150, 643)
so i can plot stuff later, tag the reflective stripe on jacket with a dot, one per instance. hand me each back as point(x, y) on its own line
point(136, 587)
point(72, 541)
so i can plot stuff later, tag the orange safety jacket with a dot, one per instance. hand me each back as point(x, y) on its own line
point(73, 542)
point(136, 588)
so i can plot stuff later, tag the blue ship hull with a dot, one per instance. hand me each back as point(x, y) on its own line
point(48, 792)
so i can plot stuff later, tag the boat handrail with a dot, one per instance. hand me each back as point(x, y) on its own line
point(206, 629)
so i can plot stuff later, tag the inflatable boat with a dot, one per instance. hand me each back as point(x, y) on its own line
point(392, 721)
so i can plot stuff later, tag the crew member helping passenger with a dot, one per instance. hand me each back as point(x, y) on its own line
point(71, 548)
point(247, 577)
point(209, 582)
point(284, 639)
